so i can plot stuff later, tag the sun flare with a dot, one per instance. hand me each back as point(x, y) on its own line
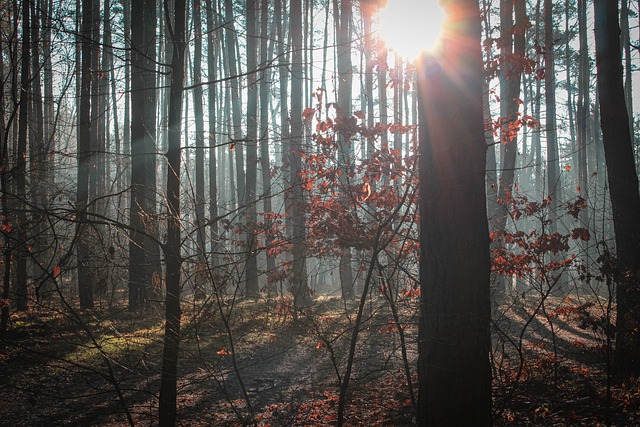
point(411, 26)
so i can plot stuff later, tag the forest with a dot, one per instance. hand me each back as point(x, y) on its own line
point(319, 213)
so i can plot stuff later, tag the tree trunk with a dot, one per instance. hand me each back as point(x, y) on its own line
point(85, 271)
point(198, 113)
point(623, 180)
point(345, 78)
point(236, 134)
point(584, 106)
point(454, 338)
point(142, 251)
point(264, 131)
point(628, 70)
point(168, 380)
point(21, 163)
point(252, 152)
point(299, 286)
point(553, 167)
point(212, 57)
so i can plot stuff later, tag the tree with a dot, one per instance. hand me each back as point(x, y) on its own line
point(553, 161)
point(85, 145)
point(198, 112)
point(454, 341)
point(212, 57)
point(299, 286)
point(345, 82)
point(169, 376)
point(21, 162)
point(143, 252)
point(623, 188)
point(252, 287)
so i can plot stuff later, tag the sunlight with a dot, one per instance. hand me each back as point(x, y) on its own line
point(411, 26)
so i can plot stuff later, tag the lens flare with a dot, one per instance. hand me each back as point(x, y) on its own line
point(411, 27)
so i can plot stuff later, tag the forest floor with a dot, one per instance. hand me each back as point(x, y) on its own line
point(251, 360)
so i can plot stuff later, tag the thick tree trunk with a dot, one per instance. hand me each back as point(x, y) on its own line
point(454, 338)
point(623, 180)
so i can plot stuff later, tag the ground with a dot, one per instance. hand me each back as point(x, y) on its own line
point(253, 359)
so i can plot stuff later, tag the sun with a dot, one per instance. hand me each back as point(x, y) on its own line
point(411, 27)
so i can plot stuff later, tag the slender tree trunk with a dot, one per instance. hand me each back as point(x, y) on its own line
point(4, 199)
point(628, 70)
point(345, 77)
point(114, 98)
point(454, 337)
point(623, 188)
point(252, 151)
point(264, 131)
point(536, 140)
point(299, 285)
point(169, 376)
point(198, 112)
point(85, 271)
point(236, 136)
point(21, 162)
point(584, 104)
point(554, 187)
point(212, 56)
point(38, 157)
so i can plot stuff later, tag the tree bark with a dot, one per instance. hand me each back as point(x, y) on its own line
point(299, 285)
point(553, 163)
point(454, 338)
point(168, 380)
point(85, 271)
point(623, 189)
point(198, 113)
point(252, 288)
point(212, 57)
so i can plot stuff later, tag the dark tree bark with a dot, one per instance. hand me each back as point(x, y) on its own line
point(85, 270)
point(21, 162)
point(4, 199)
point(623, 188)
point(454, 338)
point(512, 52)
point(625, 39)
point(142, 251)
point(169, 376)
